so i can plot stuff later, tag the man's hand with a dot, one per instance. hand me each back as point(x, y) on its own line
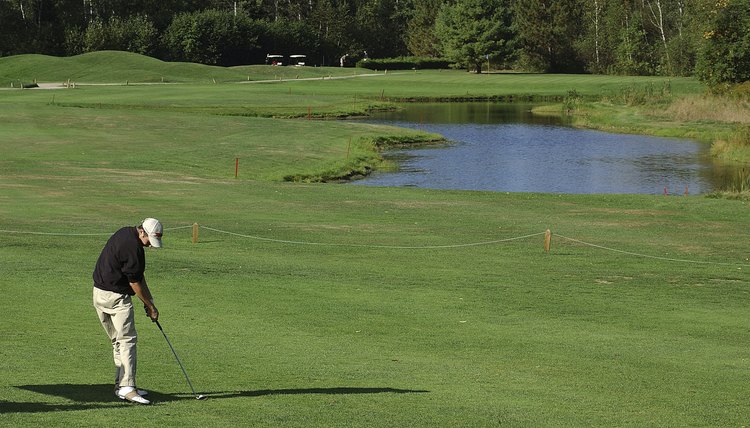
point(141, 290)
point(151, 312)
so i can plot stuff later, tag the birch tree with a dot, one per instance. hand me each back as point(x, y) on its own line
point(594, 44)
point(655, 15)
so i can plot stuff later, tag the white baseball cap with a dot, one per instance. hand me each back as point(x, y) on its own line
point(153, 229)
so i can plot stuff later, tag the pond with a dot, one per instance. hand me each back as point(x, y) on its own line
point(504, 147)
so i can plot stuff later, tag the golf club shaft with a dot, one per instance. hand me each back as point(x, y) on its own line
point(176, 357)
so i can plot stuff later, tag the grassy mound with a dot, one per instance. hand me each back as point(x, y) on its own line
point(120, 67)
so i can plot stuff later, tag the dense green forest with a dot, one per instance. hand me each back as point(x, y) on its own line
point(707, 38)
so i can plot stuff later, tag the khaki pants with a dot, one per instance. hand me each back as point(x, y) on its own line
point(116, 315)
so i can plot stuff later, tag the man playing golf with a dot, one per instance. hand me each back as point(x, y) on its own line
point(118, 275)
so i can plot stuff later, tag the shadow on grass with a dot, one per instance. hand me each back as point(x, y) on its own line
point(32, 407)
point(86, 396)
point(331, 391)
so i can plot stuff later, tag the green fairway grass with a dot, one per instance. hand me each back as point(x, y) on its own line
point(105, 142)
point(310, 304)
point(449, 85)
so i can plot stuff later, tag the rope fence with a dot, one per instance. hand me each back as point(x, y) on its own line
point(547, 243)
point(396, 247)
point(630, 253)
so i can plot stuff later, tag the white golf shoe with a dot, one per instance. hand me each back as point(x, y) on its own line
point(129, 393)
point(140, 391)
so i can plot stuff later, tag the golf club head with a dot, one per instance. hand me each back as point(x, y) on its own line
point(201, 397)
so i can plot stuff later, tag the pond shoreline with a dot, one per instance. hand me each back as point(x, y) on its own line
point(729, 140)
point(639, 163)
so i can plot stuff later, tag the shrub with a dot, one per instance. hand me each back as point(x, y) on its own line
point(404, 63)
point(643, 95)
point(741, 136)
point(725, 55)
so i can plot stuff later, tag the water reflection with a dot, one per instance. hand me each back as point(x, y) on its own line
point(501, 147)
point(462, 113)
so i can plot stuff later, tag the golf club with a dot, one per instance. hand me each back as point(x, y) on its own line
point(197, 396)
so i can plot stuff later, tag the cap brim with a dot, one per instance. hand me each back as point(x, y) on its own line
point(155, 241)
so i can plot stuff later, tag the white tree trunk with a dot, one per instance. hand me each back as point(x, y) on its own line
point(657, 18)
point(596, 30)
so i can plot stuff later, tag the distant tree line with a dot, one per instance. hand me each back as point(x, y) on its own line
point(708, 38)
